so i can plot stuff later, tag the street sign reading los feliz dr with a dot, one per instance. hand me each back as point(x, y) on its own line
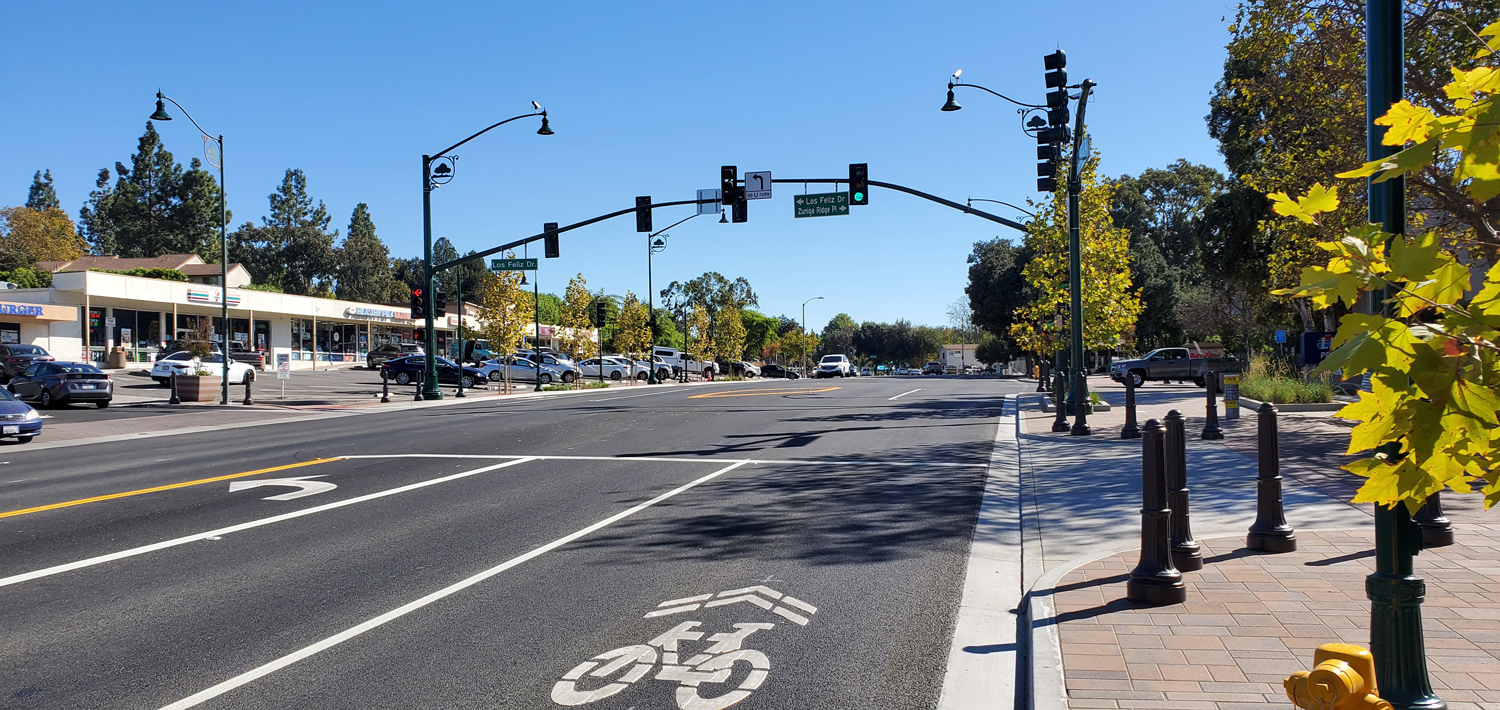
point(826, 204)
point(512, 264)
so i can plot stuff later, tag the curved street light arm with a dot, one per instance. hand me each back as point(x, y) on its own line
point(184, 111)
point(455, 146)
point(674, 224)
point(1007, 204)
point(996, 93)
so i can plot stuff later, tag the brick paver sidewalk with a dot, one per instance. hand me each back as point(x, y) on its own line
point(1253, 619)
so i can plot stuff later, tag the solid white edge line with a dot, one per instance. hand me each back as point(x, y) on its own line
point(669, 459)
point(409, 607)
point(132, 552)
point(903, 394)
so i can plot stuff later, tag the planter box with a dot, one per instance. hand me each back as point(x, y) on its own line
point(1251, 406)
point(199, 388)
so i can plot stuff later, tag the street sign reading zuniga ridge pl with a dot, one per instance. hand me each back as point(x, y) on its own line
point(512, 264)
point(826, 204)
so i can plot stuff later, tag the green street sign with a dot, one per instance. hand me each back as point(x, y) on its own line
point(512, 264)
point(825, 204)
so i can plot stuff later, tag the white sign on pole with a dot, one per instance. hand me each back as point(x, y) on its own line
point(109, 322)
point(758, 185)
point(284, 370)
point(714, 207)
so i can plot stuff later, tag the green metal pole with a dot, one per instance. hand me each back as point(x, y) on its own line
point(1075, 276)
point(536, 323)
point(458, 295)
point(650, 317)
point(430, 384)
point(1395, 592)
point(224, 276)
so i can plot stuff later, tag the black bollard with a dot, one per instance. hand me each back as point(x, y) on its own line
point(418, 383)
point(1154, 580)
point(385, 390)
point(1437, 529)
point(1211, 422)
point(1270, 532)
point(248, 400)
point(1081, 405)
point(174, 399)
point(1041, 377)
point(1186, 555)
point(1131, 430)
point(1060, 424)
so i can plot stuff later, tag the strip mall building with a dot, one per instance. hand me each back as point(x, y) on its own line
point(86, 314)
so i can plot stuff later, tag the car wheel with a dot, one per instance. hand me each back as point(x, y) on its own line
point(24, 439)
point(544, 379)
point(467, 381)
point(102, 405)
point(568, 377)
point(642, 377)
point(495, 376)
point(164, 382)
point(403, 378)
point(616, 376)
point(46, 401)
point(1137, 378)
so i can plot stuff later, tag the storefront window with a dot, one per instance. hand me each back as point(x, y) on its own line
point(10, 333)
point(262, 336)
point(96, 328)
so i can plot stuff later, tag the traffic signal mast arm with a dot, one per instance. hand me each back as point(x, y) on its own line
point(632, 210)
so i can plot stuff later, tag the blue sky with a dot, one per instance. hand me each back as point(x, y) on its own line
point(645, 98)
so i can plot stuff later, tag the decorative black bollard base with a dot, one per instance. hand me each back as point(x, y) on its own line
point(418, 383)
point(1081, 406)
point(1270, 532)
point(1211, 428)
point(385, 390)
point(1186, 553)
point(1437, 529)
point(1041, 380)
point(1131, 430)
point(1059, 400)
point(1154, 580)
point(174, 399)
point(248, 400)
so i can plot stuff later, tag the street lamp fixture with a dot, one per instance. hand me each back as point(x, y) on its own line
point(216, 159)
point(952, 104)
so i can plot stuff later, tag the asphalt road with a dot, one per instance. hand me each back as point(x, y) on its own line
point(812, 536)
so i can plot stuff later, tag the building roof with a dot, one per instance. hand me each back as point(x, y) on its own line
point(188, 264)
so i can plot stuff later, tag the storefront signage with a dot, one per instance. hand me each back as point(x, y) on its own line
point(204, 296)
point(377, 313)
point(16, 309)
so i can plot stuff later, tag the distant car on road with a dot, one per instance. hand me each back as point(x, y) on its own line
point(181, 363)
point(16, 357)
point(769, 370)
point(17, 418)
point(409, 369)
point(565, 367)
point(54, 383)
point(833, 366)
point(521, 370)
point(390, 351)
point(866, 372)
point(613, 369)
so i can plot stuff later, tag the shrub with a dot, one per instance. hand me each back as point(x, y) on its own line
point(163, 274)
point(1278, 382)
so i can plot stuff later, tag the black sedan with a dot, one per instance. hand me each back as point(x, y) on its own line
point(18, 419)
point(777, 371)
point(406, 370)
point(15, 358)
point(51, 383)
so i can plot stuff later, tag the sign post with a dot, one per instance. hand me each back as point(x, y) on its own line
point(283, 371)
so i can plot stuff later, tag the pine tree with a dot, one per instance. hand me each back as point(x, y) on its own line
point(364, 272)
point(42, 197)
point(300, 232)
point(145, 197)
point(95, 217)
point(195, 217)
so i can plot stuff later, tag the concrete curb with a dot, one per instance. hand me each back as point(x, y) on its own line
point(1252, 405)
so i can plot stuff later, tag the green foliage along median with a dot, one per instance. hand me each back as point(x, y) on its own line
point(1275, 381)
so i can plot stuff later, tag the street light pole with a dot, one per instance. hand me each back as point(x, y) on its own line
point(218, 161)
point(651, 249)
point(429, 181)
point(1075, 274)
point(804, 332)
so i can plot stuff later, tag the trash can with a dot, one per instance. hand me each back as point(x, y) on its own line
point(116, 359)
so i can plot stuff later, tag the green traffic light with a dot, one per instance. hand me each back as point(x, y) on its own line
point(859, 197)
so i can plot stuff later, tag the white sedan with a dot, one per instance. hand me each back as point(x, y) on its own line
point(181, 363)
point(614, 368)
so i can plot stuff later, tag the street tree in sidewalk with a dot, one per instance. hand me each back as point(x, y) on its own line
point(633, 328)
point(729, 334)
point(505, 313)
point(1110, 304)
point(578, 320)
point(699, 332)
point(28, 236)
point(1434, 362)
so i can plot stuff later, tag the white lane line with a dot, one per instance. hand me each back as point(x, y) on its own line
point(213, 534)
point(450, 590)
point(630, 396)
point(903, 394)
point(669, 459)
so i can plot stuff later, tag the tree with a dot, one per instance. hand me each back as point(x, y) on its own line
point(577, 319)
point(760, 333)
point(698, 331)
point(838, 335)
point(28, 236)
point(140, 206)
point(1110, 306)
point(549, 308)
point(504, 312)
point(632, 330)
point(799, 346)
point(95, 218)
point(300, 229)
point(195, 218)
point(42, 197)
point(729, 334)
point(364, 263)
point(997, 288)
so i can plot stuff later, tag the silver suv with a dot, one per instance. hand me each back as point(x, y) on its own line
point(833, 366)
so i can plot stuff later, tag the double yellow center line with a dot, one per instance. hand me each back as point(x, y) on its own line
point(168, 487)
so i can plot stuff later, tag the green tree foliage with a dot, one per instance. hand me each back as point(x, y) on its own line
point(292, 248)
point(633, 332)
point(577, 319)
point(997, 288)
point(838, 335)
point(699, 333)
point(729, 334)
point(364, 264)
point(42, 197)
point(760, 334)
point(666, 329)
point(28, 236)
point(549, 308)
point(26, 277)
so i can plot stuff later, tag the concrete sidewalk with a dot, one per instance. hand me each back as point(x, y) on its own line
point(1251, 619)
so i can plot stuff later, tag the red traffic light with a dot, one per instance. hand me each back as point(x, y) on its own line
point(416, 293)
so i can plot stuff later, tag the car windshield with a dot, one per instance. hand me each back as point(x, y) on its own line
point(26, 350)
point(80, 367)
point(832, 359)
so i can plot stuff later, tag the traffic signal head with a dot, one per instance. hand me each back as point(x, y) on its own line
point(1046, 184)
point(1058, 116)
point(643, 214)
point(600, 314)
point(1057, 99)
point(859, 184)
point(1057, 134)
point(418, 305)
point(440, 304)
point(1056, 63)
point(1048, 152)
point(550, 230)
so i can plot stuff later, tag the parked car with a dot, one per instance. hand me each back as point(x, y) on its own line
point(521, 370)
point(241, 352)
point(738, 368)
point(17, 418)
point(614, 369)
point(1174, 364)
point(933, 367)
point(833, 366)
point(749, 369)
point(178, 346)
point(16, 357)
point(567, 370)
point(181, 363)
point(391, 351)
point(53, 383)
point(866, 372)
point(770, 370)
point(409, 369)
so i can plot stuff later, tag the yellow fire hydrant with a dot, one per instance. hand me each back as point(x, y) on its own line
point(1342, 678)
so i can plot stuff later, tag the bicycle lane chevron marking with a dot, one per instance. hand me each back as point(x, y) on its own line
point(749, 595)
point(353, 631)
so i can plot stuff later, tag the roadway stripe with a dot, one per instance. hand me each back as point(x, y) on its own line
point(345, 635)
point(168, 487)
point(714, 395)
point(903, 394)
point(670, 459)
point(132, 552)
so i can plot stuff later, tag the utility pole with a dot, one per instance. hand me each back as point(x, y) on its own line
point(1075, 273)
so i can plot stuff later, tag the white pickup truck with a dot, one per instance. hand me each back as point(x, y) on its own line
point(682, 361)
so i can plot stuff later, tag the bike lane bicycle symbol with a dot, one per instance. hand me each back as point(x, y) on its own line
point(622, 667)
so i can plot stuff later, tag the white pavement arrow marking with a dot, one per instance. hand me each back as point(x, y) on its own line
point(308, 488)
